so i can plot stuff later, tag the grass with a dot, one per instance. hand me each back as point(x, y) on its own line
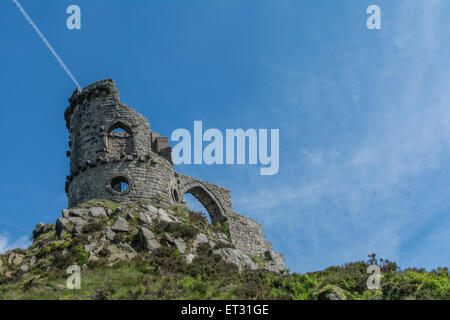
point(164, 275)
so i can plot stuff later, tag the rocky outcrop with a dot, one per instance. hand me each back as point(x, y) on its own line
point(104, 232)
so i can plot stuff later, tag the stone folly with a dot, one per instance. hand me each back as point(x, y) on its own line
point(115, 156)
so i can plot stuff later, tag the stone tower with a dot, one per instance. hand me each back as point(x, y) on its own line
point(114, 155)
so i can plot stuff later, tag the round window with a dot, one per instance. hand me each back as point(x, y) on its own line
point(118, 184)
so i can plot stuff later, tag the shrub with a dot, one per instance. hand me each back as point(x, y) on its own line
point(94, 226)
point(178, 230)
point(82, 255)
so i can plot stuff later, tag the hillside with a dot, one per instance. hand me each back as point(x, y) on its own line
point(143, 251)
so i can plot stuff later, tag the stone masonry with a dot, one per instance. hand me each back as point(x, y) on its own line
point(115, 156)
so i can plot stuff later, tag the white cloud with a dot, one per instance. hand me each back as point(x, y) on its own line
point(6, 245)
point(374, 180)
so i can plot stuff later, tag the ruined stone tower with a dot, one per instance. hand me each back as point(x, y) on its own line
point(114, 155)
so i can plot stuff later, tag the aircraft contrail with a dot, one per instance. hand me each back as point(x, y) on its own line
point(66, 69)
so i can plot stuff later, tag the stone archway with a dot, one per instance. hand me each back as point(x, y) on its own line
point(208, 200)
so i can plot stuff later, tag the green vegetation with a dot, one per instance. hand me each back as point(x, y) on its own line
point(112, 269)
point(165, 275)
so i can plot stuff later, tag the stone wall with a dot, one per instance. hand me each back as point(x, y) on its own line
point(149, 177)
point(247, 235)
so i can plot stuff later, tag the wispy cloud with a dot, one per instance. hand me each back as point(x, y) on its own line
point(377, 188)
point(6, 245)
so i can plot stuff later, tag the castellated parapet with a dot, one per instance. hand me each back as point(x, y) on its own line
point(114, 155)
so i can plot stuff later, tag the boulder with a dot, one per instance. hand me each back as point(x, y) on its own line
point(144, 218)
point(62, 226)
point(109, 234)
point(180, 244)
point(98, 212)
point(15, 258)
point(277, 264)
point(75, 212)
point(117, 254)
point(65, 213)
point(89, 248)
point(24, 268)
point(201, 238)
point(331, 292)
point(126, 247)
point(41, 228)
point(146, 240)
point(151, 209)
point(189, 258)
point(121, 225)
point(167, 238)
point(164, 216)
point(78, 224)
point(236, 257)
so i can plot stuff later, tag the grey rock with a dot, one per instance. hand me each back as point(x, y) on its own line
point(151, 209)
point(167, 238)
point(93, 257)
point(277, 264)
point(118, 254)
point(97, 212)
point(121, 225)
point(332, 292)
point(146, 240)
point(41, 228)
point(144, 218)
point(189, 258)
point(65, 213)
point(33, 260)
point(78, 224)
point(15, 258)
point(109, 234)
point(164, 216)
point(201, 238)
point(236, 257)
point(89, 248)
point(62, 226)
point(181, 245)
point(126, 247)
point(78, 212)
point(24, 268)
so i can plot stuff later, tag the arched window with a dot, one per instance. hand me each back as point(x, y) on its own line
point(120, 140)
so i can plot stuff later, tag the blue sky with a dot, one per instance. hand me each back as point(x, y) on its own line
point(364, 116)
